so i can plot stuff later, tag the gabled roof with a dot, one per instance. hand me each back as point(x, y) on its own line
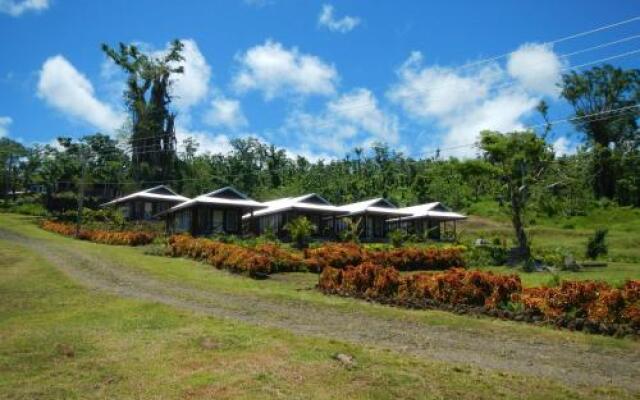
point(379, 205)
point(435, 210)
point(156, 193)
point(309, 202)
point(224, 197)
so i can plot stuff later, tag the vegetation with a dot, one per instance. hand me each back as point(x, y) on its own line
point(128, 238)
point(594, 306)
point(300, 230)
point(597, 244)
point(99, 346)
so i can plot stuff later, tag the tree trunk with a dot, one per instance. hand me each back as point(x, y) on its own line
point(524, 252)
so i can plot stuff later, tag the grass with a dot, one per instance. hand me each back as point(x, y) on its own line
point(570, 233)
point(59, 340)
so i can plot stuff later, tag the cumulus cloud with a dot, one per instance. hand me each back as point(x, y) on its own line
point(15, 8)
point(64, 88)
point(277, 71)
point(207, 141)
point(328, 20)
point(562, 146)
point(4, 125)
point(536, 67)
point(353, 119)
point(226, 113)
point(463, 102)
point(191, 87)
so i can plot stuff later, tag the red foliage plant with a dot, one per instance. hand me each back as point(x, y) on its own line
point(128, 238)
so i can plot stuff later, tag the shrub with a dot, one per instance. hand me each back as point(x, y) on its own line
point(605, 308)
point(255, 261)
point(300, 230)
point(397, 238)
point(128, 238)
point(597, 244)
point(341, 255)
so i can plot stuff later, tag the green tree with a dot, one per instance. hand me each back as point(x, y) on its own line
point(605, 100)
point(519, 160)
point(11, 154)
point(148, 98)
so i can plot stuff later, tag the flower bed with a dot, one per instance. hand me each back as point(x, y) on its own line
point(341, 255)
point(128, 238)
point(595, 307)
point(255, 261)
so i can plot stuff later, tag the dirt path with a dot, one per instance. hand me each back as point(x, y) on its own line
point(569, 363)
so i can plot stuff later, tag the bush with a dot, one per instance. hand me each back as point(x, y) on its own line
point(597, 244)
point(300, 230)
point(255, 261)
point(128, 238)
point(578, 305)
point(342, 255)
point(397, 238)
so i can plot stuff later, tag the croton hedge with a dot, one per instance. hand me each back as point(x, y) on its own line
point(128, 238)
point(255, 261)
point(341, 255)
point(582, 305)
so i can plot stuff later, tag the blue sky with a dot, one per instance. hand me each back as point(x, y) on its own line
point(315, 77)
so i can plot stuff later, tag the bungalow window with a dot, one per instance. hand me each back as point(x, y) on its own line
point(183, 221)
point(148, 209)
point(232, 220)
point(218, 221)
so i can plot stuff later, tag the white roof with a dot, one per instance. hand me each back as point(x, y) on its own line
point(431, 210)
point(369, 206)
point(295, 203)
point(213, 199)
point(148, 194)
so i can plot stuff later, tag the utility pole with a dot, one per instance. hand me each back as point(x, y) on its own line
point(83, 159)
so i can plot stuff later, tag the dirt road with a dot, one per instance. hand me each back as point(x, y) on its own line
point(566, 362)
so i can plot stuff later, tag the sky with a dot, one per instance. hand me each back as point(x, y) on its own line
point(317, 78)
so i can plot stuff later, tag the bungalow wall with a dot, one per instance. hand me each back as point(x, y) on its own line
point(276, 222)
point(144, 209)
point(206, 220)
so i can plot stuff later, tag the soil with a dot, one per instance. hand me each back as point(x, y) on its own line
point(499, 351)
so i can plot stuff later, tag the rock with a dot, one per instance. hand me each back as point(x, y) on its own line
point(346, 360)
point(209, 343)
point(65, 350)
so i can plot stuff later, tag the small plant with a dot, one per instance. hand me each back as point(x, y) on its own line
point(597, 244)
point(300, 230)
point(351, 234)
point(397, 238)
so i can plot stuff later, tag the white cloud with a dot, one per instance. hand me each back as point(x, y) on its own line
point(329, 21)
point(354, 119)
point(463, 102)
point(4, 125)
point(225, 112)
point(69, 91)
point(536, 67)
point(276, 71)
point(15, 8)
point(563, 146)
point(207, 142)
point(191, 87)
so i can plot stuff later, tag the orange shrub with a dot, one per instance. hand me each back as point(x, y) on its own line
point(128, 238)
point(262, 260)
point(342, 255)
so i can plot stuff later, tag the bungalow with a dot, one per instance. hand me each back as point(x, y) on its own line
point(372, 216)
point(429, 219)
point(279, 212)
point(217, 212)
point(143, 205)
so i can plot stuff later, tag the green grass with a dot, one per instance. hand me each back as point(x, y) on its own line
point(570, 233)
point(59, 340)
